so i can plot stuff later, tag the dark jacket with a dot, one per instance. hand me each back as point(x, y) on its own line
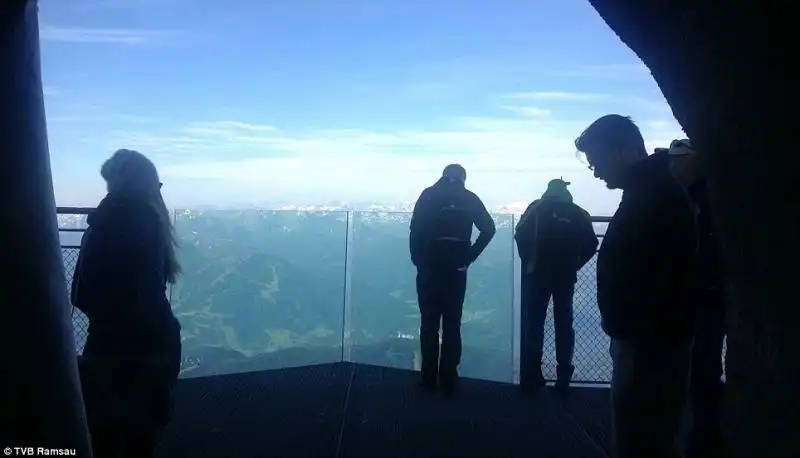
point(557, 255)
point(644, 267)
point(431, 213)
point(120, 282)
point(709, 267)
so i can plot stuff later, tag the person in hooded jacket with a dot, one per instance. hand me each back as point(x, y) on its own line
point(555, 239)
point(131, 359)
point(441, 247)
point(705, 384)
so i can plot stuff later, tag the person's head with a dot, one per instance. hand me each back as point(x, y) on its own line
point(611, 145)
point(455, 173)
point(683, 162)
point(557, 190)
point(130, 173)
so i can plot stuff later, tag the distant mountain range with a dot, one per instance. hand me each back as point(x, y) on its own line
point(263, 289)
point(333, 205)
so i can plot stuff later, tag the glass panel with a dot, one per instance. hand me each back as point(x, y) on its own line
point(600, 229)
point(260, 290)
point(489, 309)
point(70, 229)
point(385, 315)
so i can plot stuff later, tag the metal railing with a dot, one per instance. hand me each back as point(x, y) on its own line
point(592, 361)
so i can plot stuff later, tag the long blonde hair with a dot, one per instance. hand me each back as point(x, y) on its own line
point(131, 172)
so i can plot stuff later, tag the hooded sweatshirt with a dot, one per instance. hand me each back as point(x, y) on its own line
point(555, 237)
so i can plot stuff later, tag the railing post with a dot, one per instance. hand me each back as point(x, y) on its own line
point(347, 306)
point(41, 399)
point(171, 286)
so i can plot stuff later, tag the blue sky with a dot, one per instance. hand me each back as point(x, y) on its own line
point(317, 100)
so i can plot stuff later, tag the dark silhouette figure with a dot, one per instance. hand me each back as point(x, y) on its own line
point(132, 355)
point(643, 288)
point(441, 248)
point(555, 239)
point(705, 386)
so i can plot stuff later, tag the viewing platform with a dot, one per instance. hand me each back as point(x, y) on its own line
point(356, 410)
point(300, 338)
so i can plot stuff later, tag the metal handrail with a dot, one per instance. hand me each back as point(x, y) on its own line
point(87, 210)
point(73, 210)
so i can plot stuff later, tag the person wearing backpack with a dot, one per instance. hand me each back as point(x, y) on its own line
point(441, 247)
point(555, 239)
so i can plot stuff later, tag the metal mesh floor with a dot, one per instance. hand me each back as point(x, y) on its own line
point(351, 410)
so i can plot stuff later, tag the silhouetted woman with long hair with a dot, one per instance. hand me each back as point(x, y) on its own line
point(131, 360)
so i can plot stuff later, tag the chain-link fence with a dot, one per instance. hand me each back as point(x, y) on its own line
point(592, 356)
point(591, 353)
point(80, 324)
point(591, 342)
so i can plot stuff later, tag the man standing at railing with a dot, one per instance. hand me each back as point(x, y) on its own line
point(706, 386)
point(555, 239)
point(644, 283)
point(441, 248)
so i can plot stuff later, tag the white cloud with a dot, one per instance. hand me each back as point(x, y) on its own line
point(532, 112)
point(507, 159)
point(558, 96)
point(613, 71)
point(464, 137)
point(100, 35)
point(241, 125)
point(226, 127)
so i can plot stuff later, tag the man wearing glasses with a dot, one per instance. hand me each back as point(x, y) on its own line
point(643, 287)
